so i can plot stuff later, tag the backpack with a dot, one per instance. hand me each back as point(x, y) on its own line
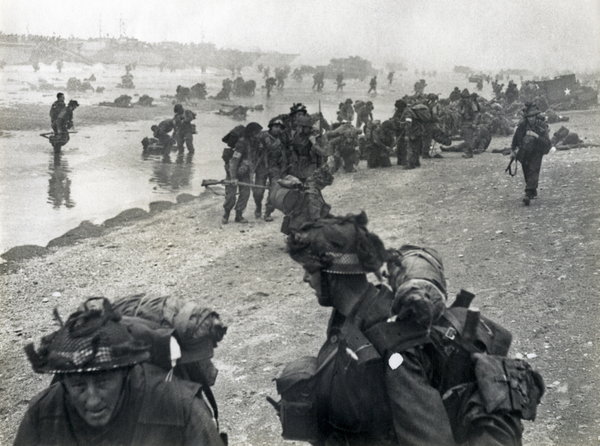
point(233, 136)
point(421, 113)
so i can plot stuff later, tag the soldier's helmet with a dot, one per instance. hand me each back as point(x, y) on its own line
point(465, 93)
point(91, 340)
point(252, 129)
point(337, 245)
point(178, 108)
point(432, 97)
point(348, 101)
point(276, 121)
point(73, 103)
point(400, 104)
point(298, 108)
point(531, 109)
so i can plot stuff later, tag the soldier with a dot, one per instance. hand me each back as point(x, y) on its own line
point(468, 109)
point(390, 78)
point(364, 114)
point(307, 149)
point(310, 206)
point(56, 108)
point(241, 169)
point(512, 92)
point(184, 129)
point(530, 143)
point(62, 124)
point(231, 140)
point(379, 137)
point(346, 111)
point(432, 104)
point(398, 367)
point(413, 130)
point(162, 132)
point(339, 82)
point(455, 95)
point(401, 141)
point(373, 85)
point(269, 164)
point(104, 392)
point(270, 83)
point(343, 140)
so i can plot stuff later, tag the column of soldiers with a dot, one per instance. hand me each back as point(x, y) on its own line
point(399, 366)
point(257, 159)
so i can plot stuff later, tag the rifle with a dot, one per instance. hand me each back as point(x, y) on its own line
point(320, 117)
point(47, 135)
point(207, 183)
point(508, 168)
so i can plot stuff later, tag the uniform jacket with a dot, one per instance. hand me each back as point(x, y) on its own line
point(270, 154)
point(539, 135)
point(56, 108)
point(64, 120)
point(154, 412)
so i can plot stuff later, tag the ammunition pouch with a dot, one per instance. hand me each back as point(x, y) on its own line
point(298, 408)
point(508, 385)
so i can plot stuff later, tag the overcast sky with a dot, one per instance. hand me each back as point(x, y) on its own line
point(536, 34)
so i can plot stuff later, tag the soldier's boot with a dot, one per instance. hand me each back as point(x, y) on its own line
point(258, 211)
point(225, 218)
point(268, 216)
point(239, 218)
point(526, 200)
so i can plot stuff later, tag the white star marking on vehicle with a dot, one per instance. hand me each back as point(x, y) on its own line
point(567, 92)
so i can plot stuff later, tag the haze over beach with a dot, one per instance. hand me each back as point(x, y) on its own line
point(153, 178)
point(437, 34)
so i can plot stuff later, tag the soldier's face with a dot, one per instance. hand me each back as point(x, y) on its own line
point(95, 396)
point(314, 280)
point(276, 130)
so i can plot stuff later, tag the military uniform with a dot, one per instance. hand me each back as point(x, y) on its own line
point(163, 133)
point(364, 114)
point(154, 412)
point(184, 130)
point(468, 109)
point(533, 142)
point(61, 126)
point(414, 131)
point(105, 393)
point(240, 168)
point(398, 367)
point(270, 163)
point(306, 150)
point(55, 110)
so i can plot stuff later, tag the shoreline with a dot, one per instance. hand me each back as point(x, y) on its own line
point(476, 222)
point(86, 229)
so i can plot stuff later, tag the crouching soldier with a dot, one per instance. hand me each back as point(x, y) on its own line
point(302, 202)
point(105, 392)
point(398, 367)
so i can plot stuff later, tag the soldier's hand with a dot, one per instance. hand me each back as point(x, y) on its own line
point(513, 154)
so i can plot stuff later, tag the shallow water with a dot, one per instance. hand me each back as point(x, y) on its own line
point(101, 171)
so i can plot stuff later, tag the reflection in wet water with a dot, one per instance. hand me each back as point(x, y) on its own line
point(59, 184)
point(172, 175)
